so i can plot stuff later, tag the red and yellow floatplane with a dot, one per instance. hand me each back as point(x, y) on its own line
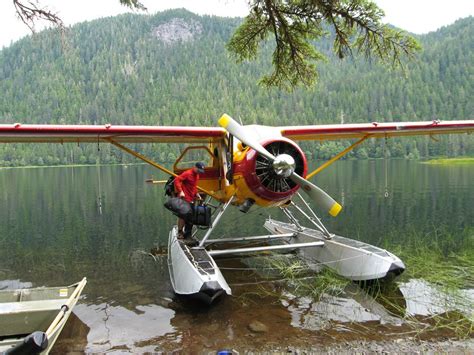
point(246, 166)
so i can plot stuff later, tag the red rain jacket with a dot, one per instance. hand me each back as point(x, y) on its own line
point(187, 182)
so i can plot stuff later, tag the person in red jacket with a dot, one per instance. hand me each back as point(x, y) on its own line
point(185, 185)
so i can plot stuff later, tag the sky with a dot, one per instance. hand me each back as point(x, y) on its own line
point(416, 16)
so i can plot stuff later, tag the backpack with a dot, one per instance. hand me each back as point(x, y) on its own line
point(169, 187)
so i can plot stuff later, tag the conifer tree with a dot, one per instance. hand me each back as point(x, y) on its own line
point(294, 26)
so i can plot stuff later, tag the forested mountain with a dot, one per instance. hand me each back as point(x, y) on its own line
point(172, 69)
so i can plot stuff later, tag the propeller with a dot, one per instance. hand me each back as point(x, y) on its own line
point(283, 164)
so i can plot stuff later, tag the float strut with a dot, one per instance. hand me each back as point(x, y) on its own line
point(216, 220)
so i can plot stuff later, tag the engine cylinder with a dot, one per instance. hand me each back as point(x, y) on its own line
point(269, 181)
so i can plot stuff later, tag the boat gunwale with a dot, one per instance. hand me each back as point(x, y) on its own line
point(57, 324)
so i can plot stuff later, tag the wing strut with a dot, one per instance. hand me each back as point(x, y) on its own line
point(152, 163)
point(337, 157)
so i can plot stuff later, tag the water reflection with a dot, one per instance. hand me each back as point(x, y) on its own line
point(386, 306)
point(308, 314)
point(118, 328)
point(426, 299)
point(353, 305)
point(51, 233)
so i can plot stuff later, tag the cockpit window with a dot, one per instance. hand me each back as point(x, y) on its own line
point(191, 155)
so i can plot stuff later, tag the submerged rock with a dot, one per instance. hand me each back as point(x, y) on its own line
point(257, 327)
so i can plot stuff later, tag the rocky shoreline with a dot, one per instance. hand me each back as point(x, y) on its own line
point(406, 346)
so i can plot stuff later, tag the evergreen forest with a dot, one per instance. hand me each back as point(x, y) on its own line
point(172, 68)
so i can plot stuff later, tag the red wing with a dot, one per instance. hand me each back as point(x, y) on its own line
point(376, 130)
point(18, 133)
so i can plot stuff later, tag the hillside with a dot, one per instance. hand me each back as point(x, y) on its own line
point(172, 69)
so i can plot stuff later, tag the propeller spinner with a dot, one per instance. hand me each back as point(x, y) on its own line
point(282, 164)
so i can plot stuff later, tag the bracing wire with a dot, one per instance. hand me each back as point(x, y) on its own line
point(99, 199)
point(386, 194)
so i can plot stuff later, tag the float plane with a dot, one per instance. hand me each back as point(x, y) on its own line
point(249, 165)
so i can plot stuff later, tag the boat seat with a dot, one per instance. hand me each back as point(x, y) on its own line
point(30, 306)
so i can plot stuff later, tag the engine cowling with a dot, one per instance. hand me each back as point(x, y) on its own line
point(267, 182)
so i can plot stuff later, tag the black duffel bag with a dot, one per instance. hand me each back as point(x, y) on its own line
point(201, 216)
point(179, 207)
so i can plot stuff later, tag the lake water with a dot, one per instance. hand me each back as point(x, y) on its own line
point(52, 232)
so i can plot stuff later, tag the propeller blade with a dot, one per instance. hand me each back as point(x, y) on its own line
point(244, 135)
point(320, 197)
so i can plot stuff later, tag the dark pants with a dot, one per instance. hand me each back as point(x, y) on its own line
point(186, 227)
